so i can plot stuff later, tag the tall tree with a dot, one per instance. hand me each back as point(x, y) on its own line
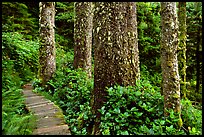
point(83, 36)
point(47, 41)
point(182, 45)
point(198, 43)
point(169, 62)
point(116, 59)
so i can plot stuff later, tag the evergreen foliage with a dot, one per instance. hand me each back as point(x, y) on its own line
point(64, 22)
point(148, 17)
point(16, 18)
point(23, 53)
point(132, 110)
point(16, 120)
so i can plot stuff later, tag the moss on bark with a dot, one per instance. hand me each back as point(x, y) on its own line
point(116, 59)
point(182, 45)
point(169, 62)
point(47, 41)
point(83, 25)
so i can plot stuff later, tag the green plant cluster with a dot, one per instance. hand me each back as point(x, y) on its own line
point(138, 110)
point(71, 90)
point(192, 117)
point(64, 21)
point(19, 66)
point(23, 53)
point(133, 110)
point(73, 95)
point(148, 24)
point(16, 120)
point(17, 18)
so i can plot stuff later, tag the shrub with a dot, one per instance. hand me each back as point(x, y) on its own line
point(138, 110)
point(16, 120)
point(128, 108)
point(71, 90)
point(72, 93)
point(192, 117)
point(23, 53)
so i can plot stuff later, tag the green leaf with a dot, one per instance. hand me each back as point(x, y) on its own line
point(102, 110)
point(126, 114)
point(138, 114)
point(138, 93)
point(150, 110)
point(117, 110)
point(147, 120)
point(193, 130)
point(124, 133)
point(108, 114)
point(162, 122)
point(133, 109)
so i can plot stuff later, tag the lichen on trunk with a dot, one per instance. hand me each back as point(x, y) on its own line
point(182, 45)
point(116, 55)
point(169, 62)
point(83, 25)
point(47, 41)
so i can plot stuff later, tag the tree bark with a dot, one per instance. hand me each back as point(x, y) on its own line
point(116, 59)
point(47, 55)
point(83, 36)
point(198, 55)
point(169, 62)
point(182, 45)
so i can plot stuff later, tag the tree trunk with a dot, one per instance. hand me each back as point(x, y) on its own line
point(198, 63)
point(198, 55)
point(83, 36)
point(169, 62)
point(116, 52)
point(47, 41)
point(182, 45)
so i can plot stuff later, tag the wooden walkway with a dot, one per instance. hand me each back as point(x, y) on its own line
point(50, 119)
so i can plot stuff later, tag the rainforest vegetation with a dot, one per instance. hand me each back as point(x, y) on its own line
point(131, 68)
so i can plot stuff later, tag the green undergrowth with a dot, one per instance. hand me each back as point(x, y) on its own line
point(132, 110)
point(16, 120)
point(138, 110)
point(19, 65)
point(72, 95)
point(22, 53)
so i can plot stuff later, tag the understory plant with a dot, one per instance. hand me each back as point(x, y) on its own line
point(23, 53)
point(16, 120)
point(138, 110)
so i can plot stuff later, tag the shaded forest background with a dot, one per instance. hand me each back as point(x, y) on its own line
point(20, 43)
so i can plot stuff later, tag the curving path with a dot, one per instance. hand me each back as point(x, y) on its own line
point(50, 119)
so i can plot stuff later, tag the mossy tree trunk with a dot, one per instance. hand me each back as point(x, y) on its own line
point(116, 55)
point(169, 62)
point(182, 45)
point(198, 49)
point(47, 55)
point(83, 36)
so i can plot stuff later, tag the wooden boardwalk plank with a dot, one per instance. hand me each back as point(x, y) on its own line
point(50, 119)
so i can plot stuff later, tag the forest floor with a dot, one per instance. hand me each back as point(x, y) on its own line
point(49, 117)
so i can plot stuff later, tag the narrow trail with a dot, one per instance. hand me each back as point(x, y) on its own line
point(49, 117)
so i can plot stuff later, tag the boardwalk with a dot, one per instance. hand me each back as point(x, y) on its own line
point(50, 120)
